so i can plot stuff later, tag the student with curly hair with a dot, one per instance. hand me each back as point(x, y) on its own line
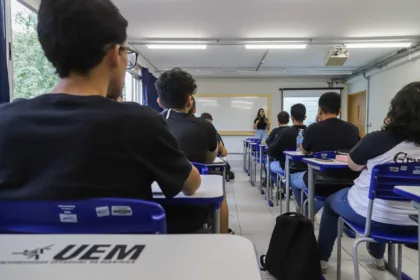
point(398, 141)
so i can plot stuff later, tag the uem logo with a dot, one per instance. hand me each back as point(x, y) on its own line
point(35, 253)
point(80, 254)
point(98, 253)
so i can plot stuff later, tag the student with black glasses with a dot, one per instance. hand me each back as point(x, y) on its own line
point(76, 143)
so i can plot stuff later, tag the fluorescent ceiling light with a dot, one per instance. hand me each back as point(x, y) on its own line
point(275, 47)
point(378, 45)
point(176, 47)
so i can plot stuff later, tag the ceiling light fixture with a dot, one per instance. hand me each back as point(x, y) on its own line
point(176, 47)
point(378, 45)
point(275, 47)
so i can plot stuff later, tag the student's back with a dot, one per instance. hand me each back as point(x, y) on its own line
point(330, 135)
point(61, 146)
point(195, 136)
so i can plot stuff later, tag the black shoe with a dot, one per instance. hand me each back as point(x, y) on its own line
point(230, 231)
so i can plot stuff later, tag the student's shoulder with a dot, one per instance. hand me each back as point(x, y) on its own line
point(206, 125)
point(383, 136)
point(139, 114)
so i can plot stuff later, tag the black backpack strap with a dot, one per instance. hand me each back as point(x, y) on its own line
point(262, 263)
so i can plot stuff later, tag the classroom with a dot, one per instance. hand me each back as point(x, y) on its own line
point(199, 140)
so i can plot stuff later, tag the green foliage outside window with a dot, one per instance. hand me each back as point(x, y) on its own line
point(32, 73)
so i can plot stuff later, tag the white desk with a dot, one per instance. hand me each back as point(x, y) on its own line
point(211, 192)
point(412, 193)
point(164, 257)
point(219, 163)
point(316, 164)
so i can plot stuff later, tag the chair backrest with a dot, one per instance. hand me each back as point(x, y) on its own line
point(325, 155)
point(90, 216)
point(386, 176)
point(202, 168)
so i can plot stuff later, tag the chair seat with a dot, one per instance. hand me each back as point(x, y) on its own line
point(384, 237)
point(317, 197)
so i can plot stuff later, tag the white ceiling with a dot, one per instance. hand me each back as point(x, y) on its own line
point(239, 20)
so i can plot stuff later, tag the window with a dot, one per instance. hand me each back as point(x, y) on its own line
point(309, 98)
point(32, 73)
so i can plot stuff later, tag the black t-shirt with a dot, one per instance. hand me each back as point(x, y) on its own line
point(274, 133)
point(331, 135)
point(60, 146)
point(262, 123)
point(195, 136)
point(285, 140)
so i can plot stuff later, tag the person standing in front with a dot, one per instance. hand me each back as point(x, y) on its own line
point(261, 124)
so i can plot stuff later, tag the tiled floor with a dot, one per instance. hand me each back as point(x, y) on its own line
point(251, 217)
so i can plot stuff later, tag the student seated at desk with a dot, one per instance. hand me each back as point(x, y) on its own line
point(75, 143)
point(283, 119)
point(330, 134)
point(196, 137)
point(221, 150)
point(286, 140)
point(399, 142)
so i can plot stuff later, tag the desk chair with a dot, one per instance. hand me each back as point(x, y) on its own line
point(250, 142)
point(202, 168)
point(342, 183)
point(256, 159)
point(89, 216)
point(294, 168)
point(384, 178)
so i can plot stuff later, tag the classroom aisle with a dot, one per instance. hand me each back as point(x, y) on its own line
point(251, 217)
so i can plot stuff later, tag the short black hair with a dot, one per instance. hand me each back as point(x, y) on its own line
point(173, 88)
point(298, 112)
point(283, 117)
point(330, 103)
point(74, 34)
point(403, 118)
point(206, 116)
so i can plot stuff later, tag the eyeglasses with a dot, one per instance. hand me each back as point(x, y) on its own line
point(132, 56)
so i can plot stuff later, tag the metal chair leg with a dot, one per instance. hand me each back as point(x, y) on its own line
point(399, 273)
point(302, 195)
point(339, 234)
point(356, 258)
point(304, 211)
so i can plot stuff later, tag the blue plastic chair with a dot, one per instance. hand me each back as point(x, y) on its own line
point(90, 216)
point(383, 180)
point(202, 168)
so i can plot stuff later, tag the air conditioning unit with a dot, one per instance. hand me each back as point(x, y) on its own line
point(336, 57)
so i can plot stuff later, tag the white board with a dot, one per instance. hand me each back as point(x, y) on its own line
point(233, 114)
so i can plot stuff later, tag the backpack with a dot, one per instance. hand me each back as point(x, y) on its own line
point(293, 250)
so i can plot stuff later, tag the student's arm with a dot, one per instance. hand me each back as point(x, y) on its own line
point(308, 139)
point(222, 150)
point(192, 183)
point(211, 133)
point(369, 147)
point(160, 155)
point(268, 124)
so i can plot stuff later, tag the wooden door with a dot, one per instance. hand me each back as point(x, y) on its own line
point(357, 111)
